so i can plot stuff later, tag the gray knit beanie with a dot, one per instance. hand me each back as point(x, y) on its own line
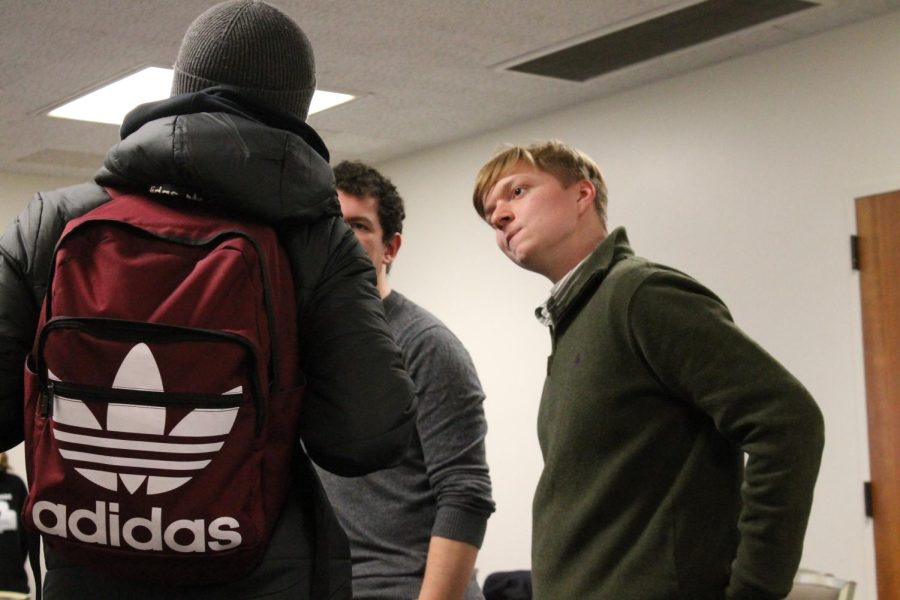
point(252, 46)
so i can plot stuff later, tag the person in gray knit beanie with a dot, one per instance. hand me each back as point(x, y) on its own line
point(252, 47)
point(229, 152)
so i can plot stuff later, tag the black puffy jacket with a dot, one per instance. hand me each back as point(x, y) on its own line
point(359, 406)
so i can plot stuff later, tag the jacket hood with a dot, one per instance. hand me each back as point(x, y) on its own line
point(220, 149)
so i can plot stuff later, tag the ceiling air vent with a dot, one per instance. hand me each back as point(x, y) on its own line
point(656, 37)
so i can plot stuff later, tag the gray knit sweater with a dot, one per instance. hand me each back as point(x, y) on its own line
point(442, 486)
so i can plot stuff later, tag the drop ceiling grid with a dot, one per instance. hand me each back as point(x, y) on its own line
point(429, 67)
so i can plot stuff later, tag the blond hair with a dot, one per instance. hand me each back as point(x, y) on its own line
point(562, 161)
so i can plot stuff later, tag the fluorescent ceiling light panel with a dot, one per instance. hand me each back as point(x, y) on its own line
point(323, 100)
point(111, 103)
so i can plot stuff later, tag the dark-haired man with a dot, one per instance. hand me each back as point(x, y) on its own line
point(415, 529)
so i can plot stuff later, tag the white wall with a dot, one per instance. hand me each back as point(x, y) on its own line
point(742, 174)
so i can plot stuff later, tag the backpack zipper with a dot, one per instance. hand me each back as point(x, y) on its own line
point(137, 331)
point(81, 391)
point(216, 238)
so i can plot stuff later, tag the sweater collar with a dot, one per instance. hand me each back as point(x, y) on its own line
point(584, 278)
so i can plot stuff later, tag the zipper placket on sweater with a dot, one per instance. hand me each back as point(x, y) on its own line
point(552, 348)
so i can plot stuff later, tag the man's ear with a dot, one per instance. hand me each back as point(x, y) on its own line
point(392, 247)
point(586, 194)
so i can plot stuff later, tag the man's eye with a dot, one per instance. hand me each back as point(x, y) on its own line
point(358, 226)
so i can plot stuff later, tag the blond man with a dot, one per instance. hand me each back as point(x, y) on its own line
point(653, 397)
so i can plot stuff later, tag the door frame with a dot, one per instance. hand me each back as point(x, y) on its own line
point(872, 558)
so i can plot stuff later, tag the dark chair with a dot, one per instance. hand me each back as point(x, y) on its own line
point(508, 585)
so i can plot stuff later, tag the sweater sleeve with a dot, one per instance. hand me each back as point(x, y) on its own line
point(690, 343)
point(359, 410)
point(452, 429)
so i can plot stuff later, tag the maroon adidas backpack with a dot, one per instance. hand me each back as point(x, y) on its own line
point(162, 393)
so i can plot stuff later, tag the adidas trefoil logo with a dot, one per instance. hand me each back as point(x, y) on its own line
point(116, 454)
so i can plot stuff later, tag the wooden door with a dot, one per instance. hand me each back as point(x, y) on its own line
point(878, 229)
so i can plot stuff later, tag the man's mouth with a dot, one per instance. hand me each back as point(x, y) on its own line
point(510, 237)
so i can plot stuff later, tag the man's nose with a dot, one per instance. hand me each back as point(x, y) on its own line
point(501, 215)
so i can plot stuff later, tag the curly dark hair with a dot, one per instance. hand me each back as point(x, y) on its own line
point(359, 179)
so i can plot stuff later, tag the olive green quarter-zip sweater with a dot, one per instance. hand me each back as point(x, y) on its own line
point(652, 397)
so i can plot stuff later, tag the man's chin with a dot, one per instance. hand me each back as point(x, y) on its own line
point(523, 261)
point(517, 258)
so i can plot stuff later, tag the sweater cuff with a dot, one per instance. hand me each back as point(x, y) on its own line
point(460, 525)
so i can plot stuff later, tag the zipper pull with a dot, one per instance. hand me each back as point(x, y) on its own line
point(45, 403)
